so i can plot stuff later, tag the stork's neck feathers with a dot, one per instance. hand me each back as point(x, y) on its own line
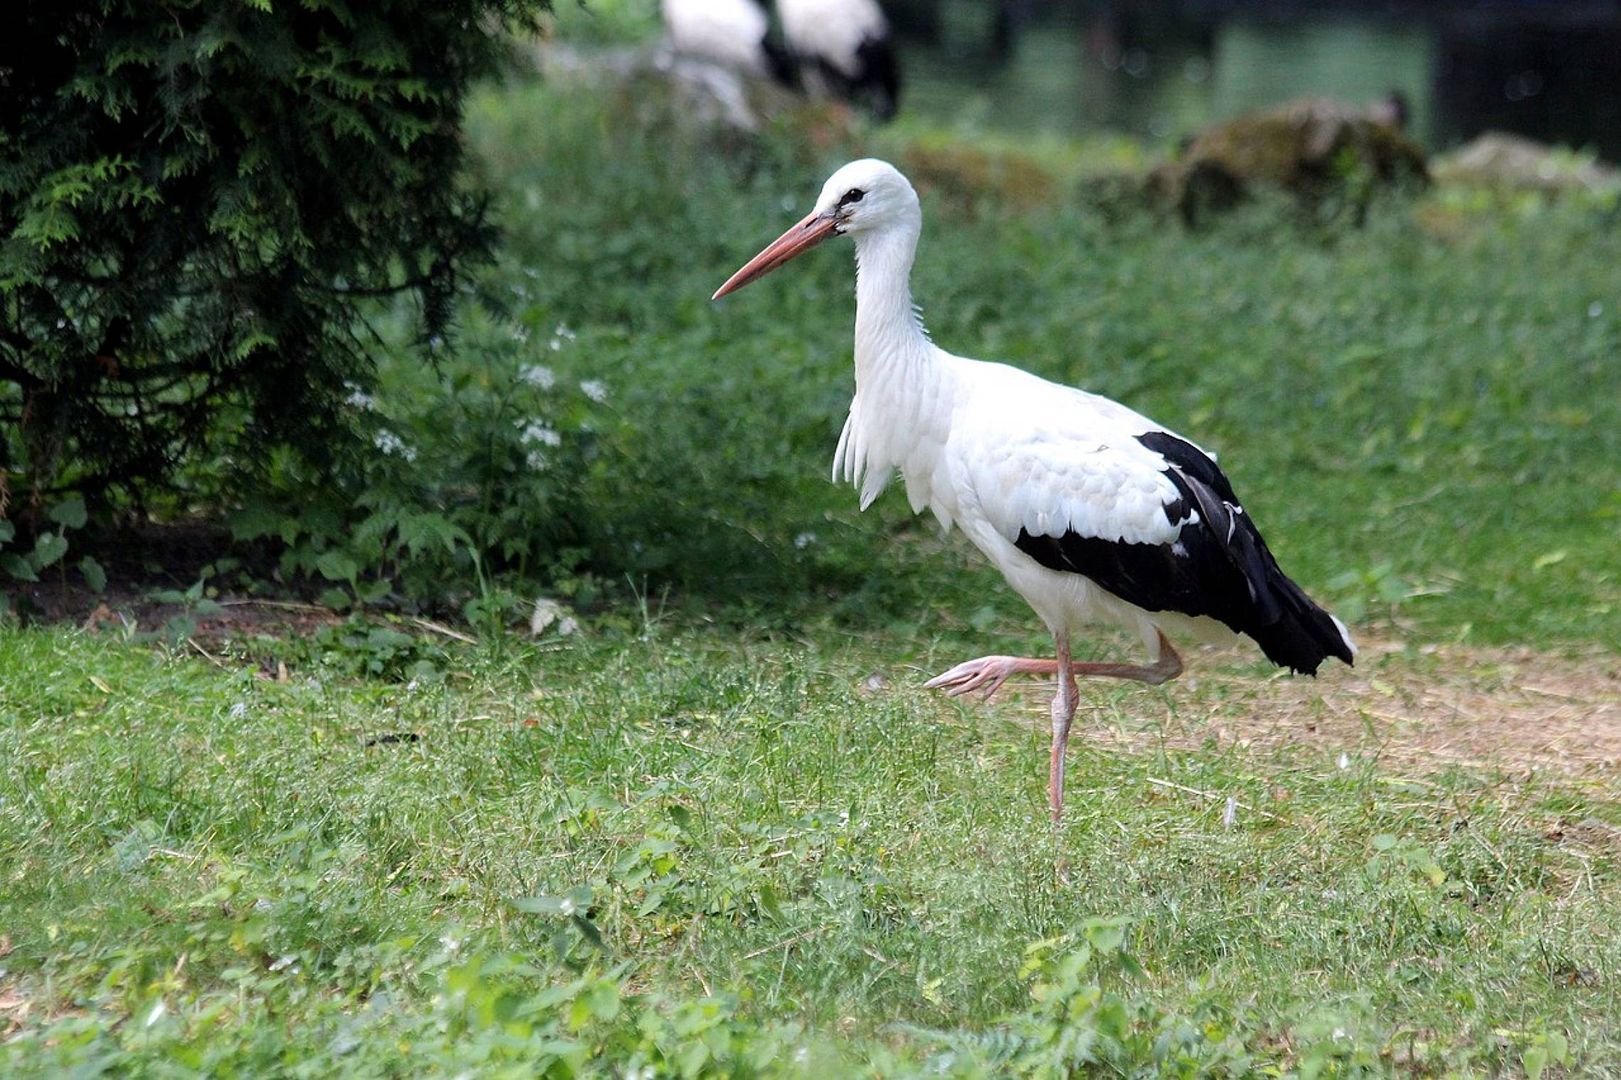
point(890, 340)
point(898, 405)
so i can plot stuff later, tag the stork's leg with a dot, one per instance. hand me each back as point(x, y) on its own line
point(988, 673)
point(1064, 702)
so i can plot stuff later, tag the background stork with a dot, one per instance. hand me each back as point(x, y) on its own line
point(846, 50)
point(735, 34)
point(1090, 510)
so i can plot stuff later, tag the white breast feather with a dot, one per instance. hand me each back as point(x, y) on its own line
point(864, 456)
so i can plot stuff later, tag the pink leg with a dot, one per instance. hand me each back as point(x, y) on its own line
point(988, 673)
point(1064, 703)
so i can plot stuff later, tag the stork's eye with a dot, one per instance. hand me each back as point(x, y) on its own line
point(854, 195)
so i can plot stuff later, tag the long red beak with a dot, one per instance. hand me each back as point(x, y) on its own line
point(796, 241)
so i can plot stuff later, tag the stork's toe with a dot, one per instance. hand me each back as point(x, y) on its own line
point(987, 673)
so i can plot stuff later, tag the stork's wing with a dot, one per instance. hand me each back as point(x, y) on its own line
point(1109, 488)
point(1152, 519)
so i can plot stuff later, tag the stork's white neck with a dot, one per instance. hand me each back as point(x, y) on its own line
point(899, 406)
point(890, 339)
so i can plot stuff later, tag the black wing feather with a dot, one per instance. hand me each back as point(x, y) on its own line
point(1219, 567)
point(876, 80)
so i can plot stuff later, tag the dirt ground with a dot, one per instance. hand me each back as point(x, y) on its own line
point(1438, 705)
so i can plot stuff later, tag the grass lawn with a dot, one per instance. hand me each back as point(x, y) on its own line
point(683, 848)
point(738, 839)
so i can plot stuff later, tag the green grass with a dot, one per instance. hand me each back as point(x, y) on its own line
point(844, 871)
point(693, 842)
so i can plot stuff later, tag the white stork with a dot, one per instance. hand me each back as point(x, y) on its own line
point(1091, 511)
point(847, 49)
point(732, 33)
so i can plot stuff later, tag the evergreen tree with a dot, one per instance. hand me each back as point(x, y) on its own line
point(198, 197)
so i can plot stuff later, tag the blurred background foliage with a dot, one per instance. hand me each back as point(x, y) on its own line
point(1421, 411)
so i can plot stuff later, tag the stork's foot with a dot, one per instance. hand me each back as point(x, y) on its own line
point(988, 673)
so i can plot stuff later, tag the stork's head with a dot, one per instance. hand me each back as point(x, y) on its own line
point(864, 197)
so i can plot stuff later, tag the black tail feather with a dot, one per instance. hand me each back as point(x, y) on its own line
point(1304, 635)
point(876, 82)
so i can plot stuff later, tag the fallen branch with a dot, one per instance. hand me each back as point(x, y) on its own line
point(440, 628)
point(285, 605)
point(1157, 782)
point(210, 657)
point(787, 941)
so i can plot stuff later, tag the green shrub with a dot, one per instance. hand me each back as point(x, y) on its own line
point(198, 201)
point(455, 472)
point(49, 548)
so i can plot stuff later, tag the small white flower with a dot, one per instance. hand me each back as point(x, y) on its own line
point(412, 687)
point(547, 612)
point(390, 443)
point(1344, 761)
point(239, 710)
point(538, 431)
point(566, 906)
point(359, 398)
point(535, 460)
point(538, 375)
point(449, 943)
point(520, 334)
point(595, 389)
point(804, 540)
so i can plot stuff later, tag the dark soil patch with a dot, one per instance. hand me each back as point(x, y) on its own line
point(145, 561)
